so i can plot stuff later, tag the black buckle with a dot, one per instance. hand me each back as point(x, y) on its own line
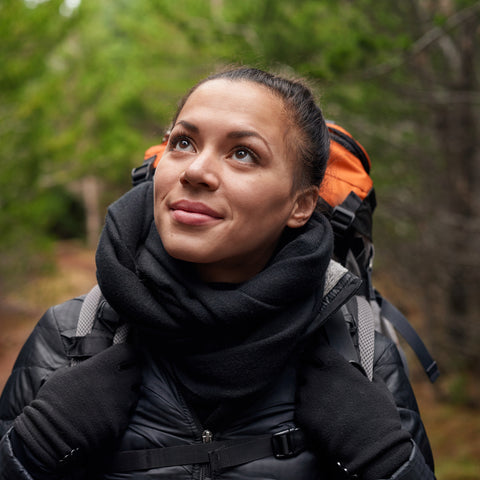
point(342, 219)
point(144, 172)
point(287, 443)
point(432, 371)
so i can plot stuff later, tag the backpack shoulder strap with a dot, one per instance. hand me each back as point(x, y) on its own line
point(403, 326)
point(366, 334)
point(360, 313)
point(338, 335)
point(357, 314)
point(88, 311)
point(85, 343)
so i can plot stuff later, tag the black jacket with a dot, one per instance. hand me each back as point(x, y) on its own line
point(53, 342)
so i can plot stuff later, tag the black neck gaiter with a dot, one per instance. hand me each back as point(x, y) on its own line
point(225, 341)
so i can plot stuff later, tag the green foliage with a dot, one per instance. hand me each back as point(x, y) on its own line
point(86, 94)
point(27, 38)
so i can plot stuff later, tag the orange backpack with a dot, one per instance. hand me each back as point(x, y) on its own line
point(348, 198)
point(348, 168)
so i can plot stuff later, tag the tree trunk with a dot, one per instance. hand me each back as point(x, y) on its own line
point(451, 251)
point(90, 188)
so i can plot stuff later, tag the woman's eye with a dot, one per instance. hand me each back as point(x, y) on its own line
point(244, 155)
point(183, 145)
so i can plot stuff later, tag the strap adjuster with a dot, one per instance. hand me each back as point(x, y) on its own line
point(144, 172)
point(342, 219)
point(287, 443)
point(432, 371)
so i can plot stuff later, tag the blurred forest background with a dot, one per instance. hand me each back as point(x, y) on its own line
point(86, 86)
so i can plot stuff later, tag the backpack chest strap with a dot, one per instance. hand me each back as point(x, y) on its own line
point(220, 455)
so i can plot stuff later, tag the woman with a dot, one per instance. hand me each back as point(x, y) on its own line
point(221, 269)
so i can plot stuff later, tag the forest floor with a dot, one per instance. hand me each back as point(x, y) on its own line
point(453, 429)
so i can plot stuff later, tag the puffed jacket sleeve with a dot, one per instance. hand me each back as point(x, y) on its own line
point(11, 468)
point(41, 355)
point(388, 366)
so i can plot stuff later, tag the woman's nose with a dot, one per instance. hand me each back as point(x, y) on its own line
point(202, 171)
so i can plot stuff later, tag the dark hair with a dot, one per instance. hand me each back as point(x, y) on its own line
point(309, 132)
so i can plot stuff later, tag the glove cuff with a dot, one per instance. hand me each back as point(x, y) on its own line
point(394, 451)
point(30, 462)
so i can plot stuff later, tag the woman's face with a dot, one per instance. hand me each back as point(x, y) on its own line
point(224, 186)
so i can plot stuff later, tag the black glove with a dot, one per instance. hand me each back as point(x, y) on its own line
point(80, 411)
point(349, 419)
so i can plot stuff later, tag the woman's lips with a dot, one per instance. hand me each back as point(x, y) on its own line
point(193, 213)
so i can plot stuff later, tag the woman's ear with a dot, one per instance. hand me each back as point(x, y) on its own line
point(303, 208)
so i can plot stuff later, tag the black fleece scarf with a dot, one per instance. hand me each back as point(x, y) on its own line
point(225, 341)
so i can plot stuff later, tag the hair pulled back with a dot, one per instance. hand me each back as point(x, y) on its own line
point(308, 136)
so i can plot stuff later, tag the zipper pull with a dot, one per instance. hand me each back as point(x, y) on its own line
point(207, 436)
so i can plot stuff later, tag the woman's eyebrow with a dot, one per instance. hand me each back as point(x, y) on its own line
point(189, 126)
point(248, 133)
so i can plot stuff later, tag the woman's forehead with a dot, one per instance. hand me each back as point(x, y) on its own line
point(245, 94)
point(235, 101)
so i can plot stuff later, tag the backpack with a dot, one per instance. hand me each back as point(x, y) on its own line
point(348, 199)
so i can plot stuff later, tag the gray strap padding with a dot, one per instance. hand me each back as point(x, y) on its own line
point(366, 335)
point(121, 334)
point(88, 311)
